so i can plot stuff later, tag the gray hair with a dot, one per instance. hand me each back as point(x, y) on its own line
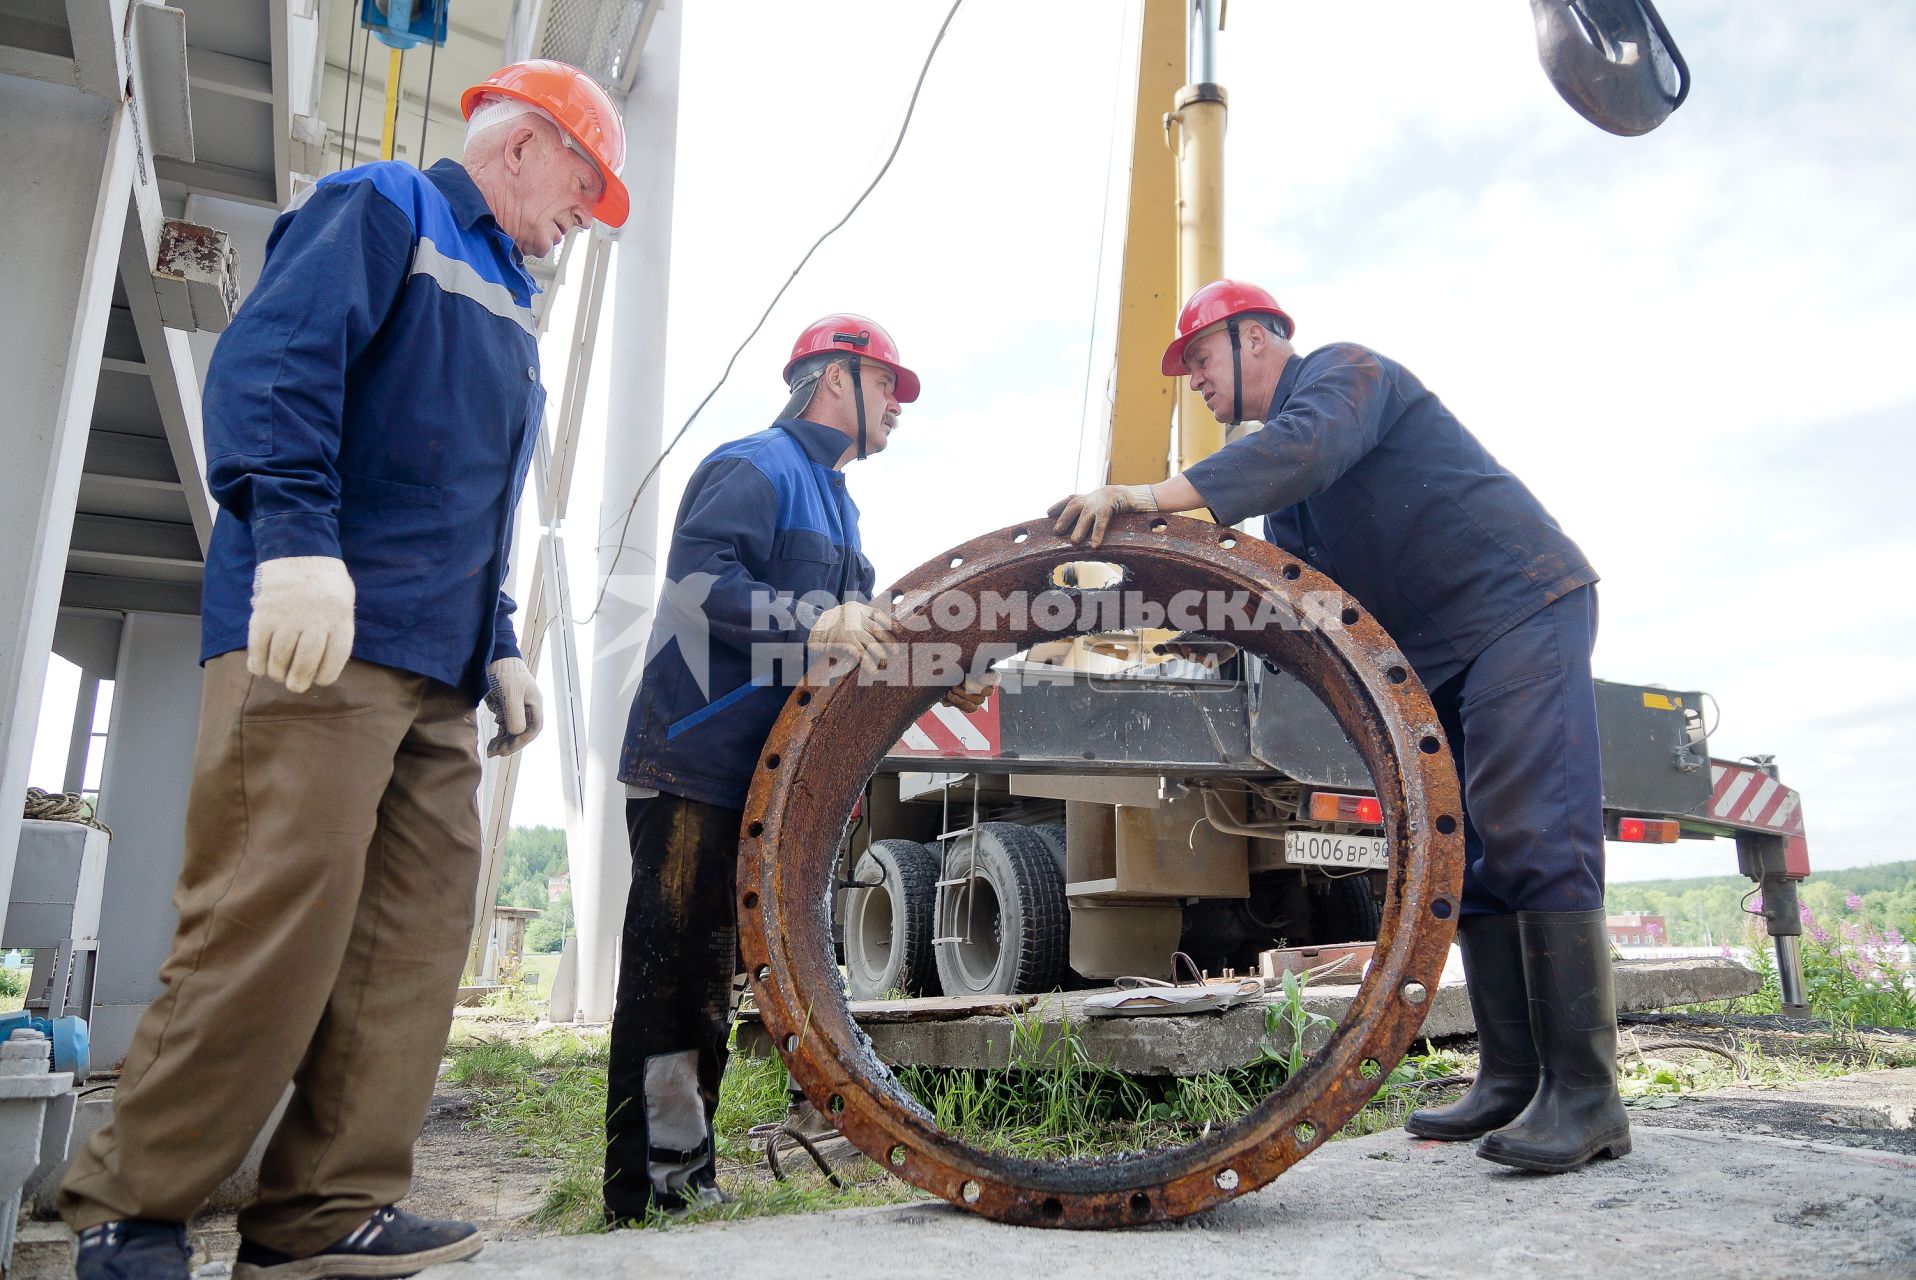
point(806, 375)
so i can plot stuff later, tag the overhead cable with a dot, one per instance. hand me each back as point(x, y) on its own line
point(905, 124)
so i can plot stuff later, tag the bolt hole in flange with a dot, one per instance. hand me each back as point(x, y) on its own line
point(828, 744)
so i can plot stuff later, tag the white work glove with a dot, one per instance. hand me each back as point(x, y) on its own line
point(1083, 518)
point(971, 695)
point(855, 632)
point(302, 629)
point(516, 704)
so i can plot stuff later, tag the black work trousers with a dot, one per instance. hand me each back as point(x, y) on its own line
point(670, 1020)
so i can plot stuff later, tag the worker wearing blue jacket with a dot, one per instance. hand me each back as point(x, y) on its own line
point(1366, 476)
point(368, 417)
point(765, 576)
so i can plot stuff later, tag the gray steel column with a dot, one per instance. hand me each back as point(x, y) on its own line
point(143, 788)
point(601, 867)
point(68, 161)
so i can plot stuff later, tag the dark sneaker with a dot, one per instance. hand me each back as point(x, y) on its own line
point(390, 1244)
point(134, 1249)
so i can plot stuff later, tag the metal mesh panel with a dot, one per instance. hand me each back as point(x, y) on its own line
point(596, 36)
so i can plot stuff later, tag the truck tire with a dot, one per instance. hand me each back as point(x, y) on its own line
point(1052, 833)
point(1346, 910)
point(1008, 927)
point(888, 921)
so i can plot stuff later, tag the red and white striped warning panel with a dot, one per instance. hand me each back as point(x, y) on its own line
point(946, 732)
point(1746, 796)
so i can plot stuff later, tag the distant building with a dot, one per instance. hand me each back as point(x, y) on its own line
point(558, 886)
point(1637, 930)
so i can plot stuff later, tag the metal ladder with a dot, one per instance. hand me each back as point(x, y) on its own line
point(971, 868)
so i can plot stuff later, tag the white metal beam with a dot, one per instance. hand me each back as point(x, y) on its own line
point(602, 864)
point(70, 164)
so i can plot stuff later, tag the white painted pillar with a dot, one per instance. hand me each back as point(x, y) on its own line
point(68, 161)
point(143, 789)
point(602, 864)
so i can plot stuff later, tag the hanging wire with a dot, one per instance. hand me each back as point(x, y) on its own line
point(425, 108)
point(360, 112)
point(346, 99)
point(633, 506)
point(1097, 280)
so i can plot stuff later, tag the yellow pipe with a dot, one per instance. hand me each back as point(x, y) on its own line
point(391, 122)
point(1196, 134)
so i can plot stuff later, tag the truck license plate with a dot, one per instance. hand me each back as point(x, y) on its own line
point(1318, 848)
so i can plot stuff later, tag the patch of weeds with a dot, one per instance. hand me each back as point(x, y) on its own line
point(546, 1095)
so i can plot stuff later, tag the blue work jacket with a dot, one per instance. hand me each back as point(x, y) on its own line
point(1367, 477)
point(766, 539)
point(376, 399)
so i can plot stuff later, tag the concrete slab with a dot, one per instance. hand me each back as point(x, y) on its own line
point(1190, 1044)
point(1688, 1202)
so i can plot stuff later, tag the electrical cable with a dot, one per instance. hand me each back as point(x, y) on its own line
point(425, 107)
point(359, 112)
point(346, 99)
point(633, 506)
point(1097, 280)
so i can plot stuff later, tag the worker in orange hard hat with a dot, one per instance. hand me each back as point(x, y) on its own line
point(1362, 473)
point(369, 417)
point(764, 574)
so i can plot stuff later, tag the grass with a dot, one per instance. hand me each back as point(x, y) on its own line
point(545, 1093)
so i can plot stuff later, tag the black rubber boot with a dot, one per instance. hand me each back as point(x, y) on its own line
point(1576, 1114)
point(1507, 1057)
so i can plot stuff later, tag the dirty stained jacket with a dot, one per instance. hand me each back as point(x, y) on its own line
point(765, 540)
point(1366, 476)
point(376, 399)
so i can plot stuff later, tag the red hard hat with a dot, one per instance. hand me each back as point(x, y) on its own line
point(1213, 304)
point(858, 336)
point(584, 110)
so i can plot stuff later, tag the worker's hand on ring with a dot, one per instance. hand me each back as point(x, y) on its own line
point(971, 695)
point(301, 633)
point(1084, 517)
point(516, 704)
point(1209, 654)
point(856, 632)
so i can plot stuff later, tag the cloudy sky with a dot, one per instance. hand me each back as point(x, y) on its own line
point(1692, 345)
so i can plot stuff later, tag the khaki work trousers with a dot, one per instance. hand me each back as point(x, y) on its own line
point(332, 856)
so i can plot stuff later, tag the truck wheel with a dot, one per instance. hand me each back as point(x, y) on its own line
point(1006, 930)
point(888, 921)
point(1346, 910)
point(1052, 833)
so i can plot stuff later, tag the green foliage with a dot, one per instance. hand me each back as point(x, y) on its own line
point(1710, 911)
point(532, 856)
point(1854, 974)
point(13, 983)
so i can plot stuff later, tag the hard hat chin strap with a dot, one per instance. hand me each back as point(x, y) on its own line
point(858, 398)
point(1237, 373)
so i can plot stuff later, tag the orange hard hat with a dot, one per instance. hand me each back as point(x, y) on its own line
point(1213, 304)
point(579, 106)
point(854, 335)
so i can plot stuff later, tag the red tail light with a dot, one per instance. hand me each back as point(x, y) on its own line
point(1648, 830)
point(1327, 806)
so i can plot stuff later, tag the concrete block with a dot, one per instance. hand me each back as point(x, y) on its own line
point(196, 275)
point(1195, 1043)
point(57, 881)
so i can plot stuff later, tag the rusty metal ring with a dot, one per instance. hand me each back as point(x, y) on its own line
point(830, 738)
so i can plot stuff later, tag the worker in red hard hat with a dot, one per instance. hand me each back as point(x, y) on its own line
point(765, 575)
point(1363, 474)
point(369, 416)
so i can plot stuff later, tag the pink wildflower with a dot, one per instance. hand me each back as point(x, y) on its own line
point(1819, 933)
point(1853, 903)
